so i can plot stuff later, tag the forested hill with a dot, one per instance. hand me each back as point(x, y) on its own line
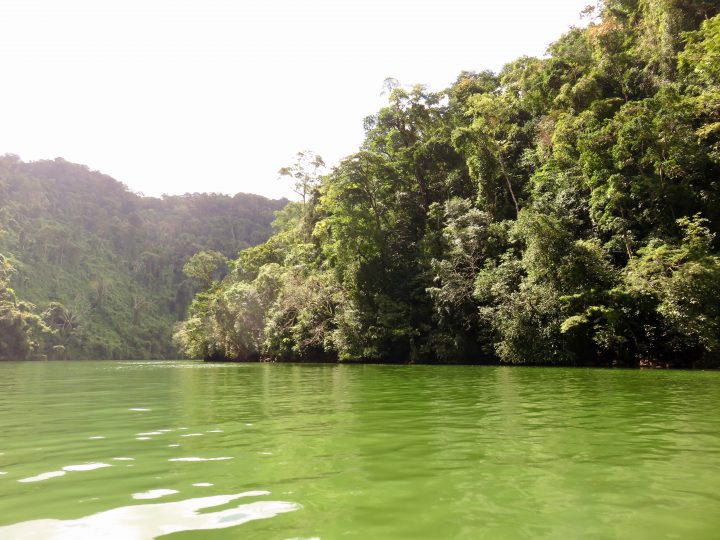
point(563, 210)
point(104, 266)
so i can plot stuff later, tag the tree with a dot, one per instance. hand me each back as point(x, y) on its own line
point(20, 328)
point(491, 142)
point(304, 173)
point(561, 211)
point(472, 240)
point(205, 267)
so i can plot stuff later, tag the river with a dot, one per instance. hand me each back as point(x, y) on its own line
point(137, 450)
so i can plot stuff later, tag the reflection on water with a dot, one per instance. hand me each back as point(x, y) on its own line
point(66, 469)
point(399, 452)
point(154, 494)
point(42, 476)
point(86, 467)
point(151, 520)
point(223, 458)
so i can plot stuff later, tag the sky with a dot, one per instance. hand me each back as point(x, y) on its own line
point(177, 96)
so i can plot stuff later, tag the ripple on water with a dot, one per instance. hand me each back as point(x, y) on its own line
point(43, 476)
point(147, 521)
point(199, 459)
point(68, 468)
point(154, 494)
point(86, 467)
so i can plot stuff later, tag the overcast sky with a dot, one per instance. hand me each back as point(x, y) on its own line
point(175, 96)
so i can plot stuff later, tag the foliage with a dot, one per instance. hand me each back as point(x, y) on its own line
point(560, 211)
point(104, 265)
point(305, 173)
point(21, 329)
point(205, 267)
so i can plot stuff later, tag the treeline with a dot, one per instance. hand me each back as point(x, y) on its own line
point(562, 211)
point(99, 268)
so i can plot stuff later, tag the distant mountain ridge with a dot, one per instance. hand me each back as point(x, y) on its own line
point(103, 265)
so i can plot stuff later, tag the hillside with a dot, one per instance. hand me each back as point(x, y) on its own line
point(103, 265)
point(561, 211)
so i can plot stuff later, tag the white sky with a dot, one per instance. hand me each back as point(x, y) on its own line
point(175, 96)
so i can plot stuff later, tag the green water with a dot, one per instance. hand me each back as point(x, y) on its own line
point(356, 452)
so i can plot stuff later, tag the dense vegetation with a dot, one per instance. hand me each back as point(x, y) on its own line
point(563, 210)
point(99, 268)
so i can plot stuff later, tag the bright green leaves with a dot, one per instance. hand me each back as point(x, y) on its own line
point(523, 298)
point(304, 173)
point(540, 215)
point(21, 330)
point(701, 57)
point(493, 143)
point(644, 167)
point(684, 278)
point(700, 62)
point(471, 241)
point(205, 267)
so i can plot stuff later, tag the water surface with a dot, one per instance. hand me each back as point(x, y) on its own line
point(189, 450)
